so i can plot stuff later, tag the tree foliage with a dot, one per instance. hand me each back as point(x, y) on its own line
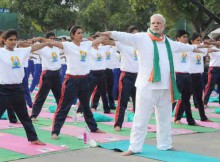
point(110, 15)
point(46, 14)
point(175, 10)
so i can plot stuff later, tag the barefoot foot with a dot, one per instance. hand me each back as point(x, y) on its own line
point(127, 153)
point(99, 131)
point(117, 128)
point(54, 137)
point(37, 142)
point(177, 122)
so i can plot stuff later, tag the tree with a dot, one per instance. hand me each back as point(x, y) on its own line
point(101, 15)
point(46, 14)
point(175, 10)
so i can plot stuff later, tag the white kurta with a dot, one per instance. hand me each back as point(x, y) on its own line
point(151, 95)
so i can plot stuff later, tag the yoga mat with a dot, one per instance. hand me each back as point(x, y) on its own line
point(21, 145)
point(152, 152)
point(152, 128)
point(65, 141)
point(213, 104)
point(5, 124)
point(49, 115)
point(213, 115)
point(194, 128)
point(7, 155)
point(111, 115)
point(208, 110)
point(78, 132)
point(110, 129)
point(204, 124)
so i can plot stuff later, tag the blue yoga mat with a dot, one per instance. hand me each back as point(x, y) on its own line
point(152, 152)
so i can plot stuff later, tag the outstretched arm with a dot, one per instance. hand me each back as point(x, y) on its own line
point(36, 47)
point(98, 40)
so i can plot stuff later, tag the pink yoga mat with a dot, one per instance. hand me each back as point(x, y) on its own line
point(78, 132)
point(213, 104)
point(204, 124)
point(208, 110)
point(5, 124)
point(49, 115)
point(213, 115)
point(21, 145)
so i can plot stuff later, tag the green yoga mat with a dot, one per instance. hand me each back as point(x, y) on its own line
point(185, 126)
point(214, 99)
point(110, 129)
point(153, 153)
point(70, 142)
point(7, 155)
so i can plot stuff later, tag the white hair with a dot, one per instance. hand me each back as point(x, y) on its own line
point(159, 16)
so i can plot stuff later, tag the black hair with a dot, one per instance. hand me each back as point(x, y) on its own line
point(73, 30)
point(181, 32)
point(194, 37)
point(131, 28)
point(64, 38)
point(9, 33)
point(49, 34)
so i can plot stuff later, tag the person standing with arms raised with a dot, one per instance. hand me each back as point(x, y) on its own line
point(76, 83)
point(156, 86)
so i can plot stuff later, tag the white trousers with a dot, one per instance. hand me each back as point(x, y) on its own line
point(146, 102)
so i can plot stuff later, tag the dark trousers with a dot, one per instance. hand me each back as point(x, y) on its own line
point(12, 96)
point(183, 81)
point(98, 78)
point(110, 82)
point(72, 87)
point(36, 77)
point(63, 72)
point(116, 73)
point(50, 80)
point(30, 68)
point(126, 89)
point(26, 88)
point(197, 91)
point(213, 78)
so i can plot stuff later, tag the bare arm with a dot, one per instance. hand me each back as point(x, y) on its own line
point(36, 47)
point(108, 42)
point(56, 44)
point(98, 40)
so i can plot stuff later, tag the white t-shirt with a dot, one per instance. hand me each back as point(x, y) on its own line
point(181, 62)
point(143, 43)
point(196, 64)
point(12, 65)
point(98, 57)
point(77, 57)
point(36, 58)
point(111, 58)
point(50, 58)
point(129, 59)
point(215, 58)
